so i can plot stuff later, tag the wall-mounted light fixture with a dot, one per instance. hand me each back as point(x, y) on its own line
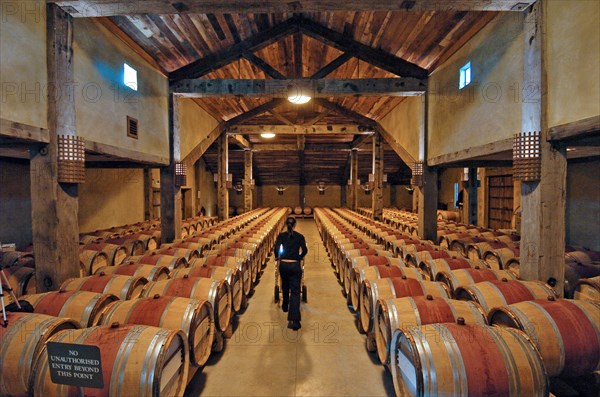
point(180, 173)
point(267, 135)
point(321, 187)
point(280, 190)
point(527, 157)
point(417, 174)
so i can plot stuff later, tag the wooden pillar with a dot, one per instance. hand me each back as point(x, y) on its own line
point(54, 205)
point(428, 197)
point(148, 193)
point(247, 180)
point(544, 202)
point(353, 179)
point(302, 184)
point(223, 170)
point(394, 195)
point(170, 193)
point(472, 197)
point(377, 170)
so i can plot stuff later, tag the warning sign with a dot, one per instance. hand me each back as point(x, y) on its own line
point(75, 365)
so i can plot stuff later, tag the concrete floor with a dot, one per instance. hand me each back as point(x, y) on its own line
point(327, 357)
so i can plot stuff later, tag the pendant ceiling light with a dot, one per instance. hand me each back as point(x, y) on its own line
point(298, 95)
point(267, 135)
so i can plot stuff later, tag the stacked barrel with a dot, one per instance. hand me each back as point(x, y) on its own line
point(449, 324)
point(178, 311)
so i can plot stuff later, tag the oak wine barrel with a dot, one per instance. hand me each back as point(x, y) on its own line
point(81, 306)
point(124, 287)
point(463, 277)
point(466, 360)
point(193, 317)
point(497, 293)
point(217, 292)
point(391, 288)
point(412, 311)
point(566, 332)
point(149, 272)
point(20, 342)
point(588, 289)
point(137, 360)
point(90, 261)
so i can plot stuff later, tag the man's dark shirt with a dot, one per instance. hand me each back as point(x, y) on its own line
point(288, 246)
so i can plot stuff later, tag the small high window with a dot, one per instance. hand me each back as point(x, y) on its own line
point(130, 77)
point(465, 76)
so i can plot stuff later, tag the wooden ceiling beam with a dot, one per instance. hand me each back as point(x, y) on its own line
point(317, 118)
point(322, 129)
point(219, 59)
point(331, 66)
point(377, 57)
point(254, 112)
point(201, 147)
point(396, 147)
point(107, 8)
point(308, 147)
point(241, 141)
point(298, 67)
point(335, 107)
point(264, 66)
point(202, 88)
point(281, 117)
point(356, 143)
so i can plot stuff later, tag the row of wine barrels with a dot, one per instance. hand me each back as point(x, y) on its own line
point(435, 266)
point(90, 261)
point(168, 261)
point(116, 254)
point(463, 277)
point(137, 360)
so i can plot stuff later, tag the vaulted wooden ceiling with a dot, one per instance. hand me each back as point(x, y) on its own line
point(270, 40)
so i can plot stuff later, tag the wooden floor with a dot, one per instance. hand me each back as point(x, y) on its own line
point(326, 357)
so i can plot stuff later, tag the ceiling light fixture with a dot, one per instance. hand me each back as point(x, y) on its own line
point(267, 135)
point(298, 95)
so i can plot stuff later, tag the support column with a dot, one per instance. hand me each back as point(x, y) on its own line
point(147, 193)
point(353, 179)
point(544, 202)
point(170, 193)
point(247, 180)
point(54, 205)
point(377, 196)
point(428, 197)
point(223, 170)
point(472, 197)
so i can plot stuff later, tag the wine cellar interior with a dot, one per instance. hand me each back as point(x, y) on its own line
point(441, 159)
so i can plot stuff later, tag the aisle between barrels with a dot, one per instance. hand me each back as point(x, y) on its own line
point(327, 357)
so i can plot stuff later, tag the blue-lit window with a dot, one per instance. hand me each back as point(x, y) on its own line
point(456, 190)
point(465, 76)
point(130, 77)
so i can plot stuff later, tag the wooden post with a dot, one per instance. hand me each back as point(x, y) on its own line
point(170, 193)
point(247, 180)
point(377, 170)
point(148, 193)
point(394, 195)
point(54, 205)
point(223, 170)
point(428, 197)
point(544, 202)
point(353, 179)
point(472, 197)
point(302, 184)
